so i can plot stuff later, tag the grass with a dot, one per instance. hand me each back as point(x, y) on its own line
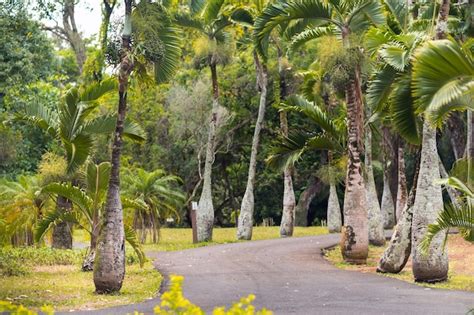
point(66, 287)
point(461, 269)
point(178, 239)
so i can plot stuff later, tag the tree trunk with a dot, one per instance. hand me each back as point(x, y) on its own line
point(387, 205)
point(62, 234)
point(428, 204)
point(88, 262)
point(355, 234)
point(432, 267)
point(245, 223)
point(402, 183)
point(334, 218)
point(452, 193)
point(455, 128)
point(398, 251)
point(470, 145)
point(304, 201)
point(205, 212)
point(107, 9)
point(376, 232)
point(72, 34)
point(289, 200)
point(109, 266)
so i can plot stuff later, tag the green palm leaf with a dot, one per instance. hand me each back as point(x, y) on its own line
point(211, 10)
point(53, 218)
point(77, 151)
point(95, 90)
point(38, 115)
point(131, 238)
point(443, 72)
point(380, 88)
point(310, 34)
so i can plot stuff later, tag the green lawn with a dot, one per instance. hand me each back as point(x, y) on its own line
point(178, 239)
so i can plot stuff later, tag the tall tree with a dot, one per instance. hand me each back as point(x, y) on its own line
point(210, 19)
point(347, 18)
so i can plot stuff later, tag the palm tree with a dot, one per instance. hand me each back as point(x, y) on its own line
point(210, 19)
point(440, 87)
point(299, 143)
point(345, 18)
point(21, 205)
point(88, 209)
point(158, 191)
point(73, 127)
point(157, 42)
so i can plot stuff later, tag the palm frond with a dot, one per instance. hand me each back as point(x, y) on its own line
point(38, 115)
point(95, 90)
point(311, 34)
point(380, 88)
point(131, 238)
point(211, 10)
point(77, 151)
point(288, 150)
point(53, 218)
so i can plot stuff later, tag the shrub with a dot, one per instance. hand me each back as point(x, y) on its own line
point(13, 309)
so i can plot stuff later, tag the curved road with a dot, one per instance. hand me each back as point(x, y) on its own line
point(289, 276)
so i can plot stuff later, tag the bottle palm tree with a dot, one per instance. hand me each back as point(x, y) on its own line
point(156, 42)
point(88, 209)
point(73, 124)
point(345, 18)
point(211, 20)
point(159, 192)
point(331, 137)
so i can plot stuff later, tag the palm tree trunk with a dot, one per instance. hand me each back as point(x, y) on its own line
point(109, 266)
point(88, 262)
point(432, 267)
point(455, 129)
point(355, 234)
point(245, 224)
point(387, 207)
point(304, 201)
point(428, 204)
point(62, 234)
point(376, 232)
point(289, 200)
point(334, 218)
point(398, 251)
point(205, 212)
point(402, 192)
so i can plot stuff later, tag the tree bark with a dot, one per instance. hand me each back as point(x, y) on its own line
point(205, 212)
point(355, 235)
point(109, 266)
point(107, 9)
point(72, 34)
point(457, 137)
point(376, 232)
point(428, 204)
point(304, 201)
point(62, 234)
point(432, 267)
point(402, 192)
point(245, 223)
point(398, 251)
point(289, 200)
point(387, 205)
point(334, 217)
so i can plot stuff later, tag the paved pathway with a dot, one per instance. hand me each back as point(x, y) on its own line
point(289, 276)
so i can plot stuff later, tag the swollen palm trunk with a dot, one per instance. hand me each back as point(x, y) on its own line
point(355, 234)
point(333, 211)
point(402, 193)
point(376, 232)
point(109, 264)
point(289, 203)
point(244, 230)
point(304, 201)
point(432, 267)
point(387, 207)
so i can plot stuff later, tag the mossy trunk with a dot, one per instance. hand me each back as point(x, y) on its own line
point(245, 224)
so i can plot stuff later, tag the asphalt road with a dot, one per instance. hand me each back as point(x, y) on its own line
point(289, 276)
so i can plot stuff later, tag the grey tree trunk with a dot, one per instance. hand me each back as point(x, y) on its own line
point(289, 200)
point(457, 136)
point(62, 232)
point(109, 265)
point(355, 234)
point(205, 212)
point(72, 33)
point(376, 232)
point(304, 201)
point(334, 216)
point(432, 267)
point(387, 206)
point(244, 230)
point(402, 192)
point(398, 251)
